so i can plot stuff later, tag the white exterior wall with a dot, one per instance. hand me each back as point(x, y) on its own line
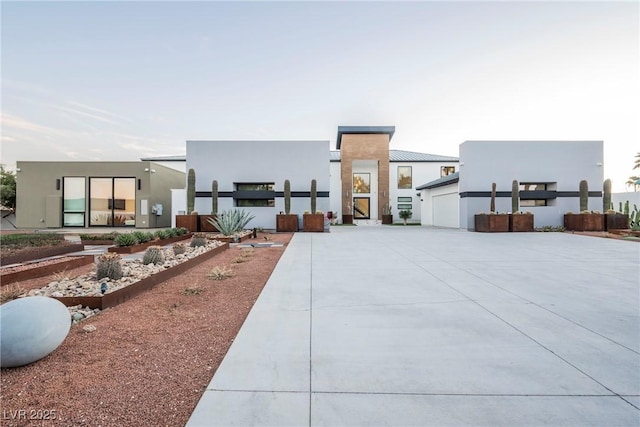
point(632, 197)
point(231, 162)
point(440, 206)
point(421, 172)
point(565, 163)
point(178, 204)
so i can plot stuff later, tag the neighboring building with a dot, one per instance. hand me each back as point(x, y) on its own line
point(549, 174)
point(94, 194)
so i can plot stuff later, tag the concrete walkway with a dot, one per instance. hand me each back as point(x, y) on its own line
point(414, 326)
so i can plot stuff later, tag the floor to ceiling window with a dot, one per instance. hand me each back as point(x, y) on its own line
point(73, 197)
point(112, 202)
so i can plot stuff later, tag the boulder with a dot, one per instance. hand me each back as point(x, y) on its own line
point(30, 329)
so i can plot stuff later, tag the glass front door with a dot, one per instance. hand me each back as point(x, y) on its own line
point(361, 208)
point(112, 202)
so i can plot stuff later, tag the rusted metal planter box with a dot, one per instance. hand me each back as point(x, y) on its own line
point(205, 225)
point(287, 223)
point(313, 223)
point(142, 246)
point(387, 219)
point(616, 221)
point(584, 222)
point(190, 222)
point(119, 296)
point(491, 223)
point(520, 222)
point(45, 270)
point(347, 219)
point(38, 253)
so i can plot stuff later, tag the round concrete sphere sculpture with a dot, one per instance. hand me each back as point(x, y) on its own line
point(30, 329)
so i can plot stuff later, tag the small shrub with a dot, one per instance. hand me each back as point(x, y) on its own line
point(179, 248)
point(197, 240)
point(220, 272)
point(192, 291)
point(171, 232)
point(153, 255)
point(162, 234)
point(11, 292)
point(231, 221)
point(143, 236)
point(182, 231)
point(60, 276)
point(31, 239)
point(244, 256)
point(109, 265)
point(127, 239)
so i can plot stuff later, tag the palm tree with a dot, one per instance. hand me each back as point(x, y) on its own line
point(635, 180)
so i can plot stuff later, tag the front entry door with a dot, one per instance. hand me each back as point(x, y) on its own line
point(361, 208)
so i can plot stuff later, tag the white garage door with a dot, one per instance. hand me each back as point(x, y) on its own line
point(445, 210)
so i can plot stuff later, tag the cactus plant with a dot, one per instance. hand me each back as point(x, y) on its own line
point(214, 197)
point(153, 255)
point(584, 196)
point(287, 196)
point(606, 198)
point(492, 206)
point(126, 239)
point(179, 248)
point(314, 195)
point(198, 239)
point(191, 190)
point(109, 265)
point(515, 196)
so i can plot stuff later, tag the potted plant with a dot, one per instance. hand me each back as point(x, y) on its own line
point(347, 214)
point(287, 221)
point(387, 217)
point(314, 220)
point(190, 220)
point(492, 222)
point(517, 220)
point(613, 220)
point(405, 214)
point(585, 220)
point(203, 220)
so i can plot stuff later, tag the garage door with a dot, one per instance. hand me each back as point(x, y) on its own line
point(445, 210)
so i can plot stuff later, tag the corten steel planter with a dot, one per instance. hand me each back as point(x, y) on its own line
point(142, 246)
point(313, 223)
point(387, 219)
point(190, 222)
point(287, 222)
point(584, 222)
point(616, 221)
point(347, 219)
point(486, 223)
point(45, 270)
point(37, 253)
point(520, 222)
point(205, 225)
point(114, 298)
point(229, 239)
point(98, 242)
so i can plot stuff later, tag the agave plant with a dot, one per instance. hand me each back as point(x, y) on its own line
point(231, 221)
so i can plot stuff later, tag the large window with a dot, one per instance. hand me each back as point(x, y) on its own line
point(533, 186)
point(404, 177)
point(255, 194)
point(74, 201)
point(112, 202)
point(361, 183)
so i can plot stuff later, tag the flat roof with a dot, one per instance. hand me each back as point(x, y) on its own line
point(362, 130)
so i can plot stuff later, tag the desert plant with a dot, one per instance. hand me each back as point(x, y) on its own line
point(634, 218)
point(584, 196)
point(181, 231)
point(314, 195)
point(191, 190)
point(244, 255)
point(31, 239)
point(214, 197)
point(220, 272)
point(492, 205)
point(162, 234)
point(192, 291)
point(153, 255)
point(405, 214)
point(197, 240)
point(126, 239)
point(287, 196)
point(231, 221)
point(179, 249)
point(171, 232)
point(11, 292)
point(386, 209)
point(515, 196)
point(142, 236)
point(606, 195)
point(109, 265)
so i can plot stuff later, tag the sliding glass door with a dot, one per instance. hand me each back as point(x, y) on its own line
point(112, 202)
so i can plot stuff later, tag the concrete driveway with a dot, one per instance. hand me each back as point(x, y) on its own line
point(415, 326)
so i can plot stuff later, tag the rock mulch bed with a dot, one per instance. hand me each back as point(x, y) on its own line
point(148, 360)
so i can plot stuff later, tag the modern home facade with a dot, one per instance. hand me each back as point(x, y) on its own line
point(94, 194)
point(548, 172)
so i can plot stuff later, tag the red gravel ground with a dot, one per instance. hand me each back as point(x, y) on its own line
point(149, 359)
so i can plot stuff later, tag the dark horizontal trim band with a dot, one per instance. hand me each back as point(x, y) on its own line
point(528, 194)
point(259, 194)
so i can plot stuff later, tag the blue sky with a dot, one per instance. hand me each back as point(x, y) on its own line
point(123, 80)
